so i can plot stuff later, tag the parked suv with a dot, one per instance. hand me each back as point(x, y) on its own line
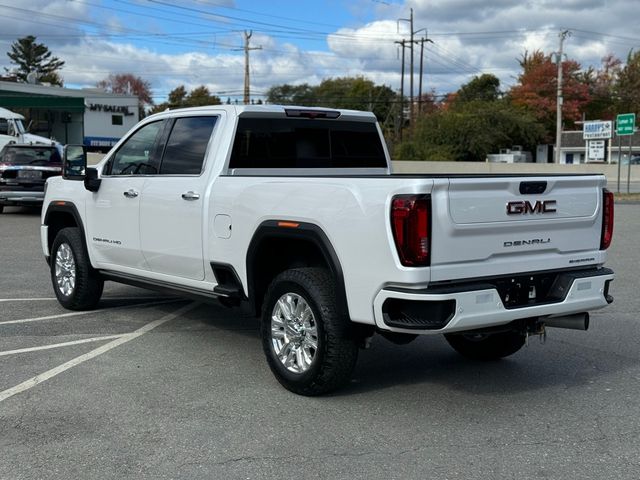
point(24, 169)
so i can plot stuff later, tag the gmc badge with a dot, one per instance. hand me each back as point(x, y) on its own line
point(524, 207)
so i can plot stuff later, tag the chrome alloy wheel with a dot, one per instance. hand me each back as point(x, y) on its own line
point(65, 270)
point(294, 332)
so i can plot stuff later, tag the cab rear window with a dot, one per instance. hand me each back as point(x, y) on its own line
point(30, 156)
point(304, 143)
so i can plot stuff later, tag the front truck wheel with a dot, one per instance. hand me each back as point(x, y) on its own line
point(76, 284)
point(305, 336)
point(486, 346)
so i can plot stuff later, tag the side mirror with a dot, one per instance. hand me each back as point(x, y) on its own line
point(91, 180)
point(74, 163)
point(74, 167)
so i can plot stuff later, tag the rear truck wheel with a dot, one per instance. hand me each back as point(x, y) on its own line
point(76, 284)
point(486, 346)
point(306, 338)
point(1, 208)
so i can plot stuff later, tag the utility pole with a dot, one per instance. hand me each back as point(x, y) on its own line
point(410, 20)
point(420, 76)
point(247, 82)
point(411, 117)
point(422, 41)
point(402, 44)
point(564, 34)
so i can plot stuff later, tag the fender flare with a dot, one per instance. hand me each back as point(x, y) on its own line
point(302, 231)
point(65, 207)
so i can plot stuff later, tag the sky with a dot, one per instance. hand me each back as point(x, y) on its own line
point(199, 42)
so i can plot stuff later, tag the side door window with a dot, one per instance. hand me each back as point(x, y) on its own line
point(186, 146)
point(140, 154)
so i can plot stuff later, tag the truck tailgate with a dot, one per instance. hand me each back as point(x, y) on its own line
point(486, 226)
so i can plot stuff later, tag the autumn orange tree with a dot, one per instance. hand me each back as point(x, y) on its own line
point(536, 90)
point(129, 84)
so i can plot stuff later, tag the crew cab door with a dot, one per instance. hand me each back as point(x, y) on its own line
point(113, 212)
point(172, 208)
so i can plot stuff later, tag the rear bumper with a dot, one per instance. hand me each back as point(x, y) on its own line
point(470, 307)
point(21, 198)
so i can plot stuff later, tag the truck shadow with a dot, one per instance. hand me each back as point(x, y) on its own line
point(429, 366)
point(430, 361)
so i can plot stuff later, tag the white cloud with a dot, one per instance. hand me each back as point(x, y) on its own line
point(471, 37)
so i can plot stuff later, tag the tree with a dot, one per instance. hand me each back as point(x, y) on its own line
point(291, 95)
point(627, 88)
point(356, 93)
point(179, 98)
point(200, 96)
point(602, 84)
point(471, 131)
point(470, 124)
point(30, 56)
point(129, 84)
point(485, 87)
point(537, 85)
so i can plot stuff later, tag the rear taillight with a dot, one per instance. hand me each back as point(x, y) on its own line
point(410, 223)
point(607, 219)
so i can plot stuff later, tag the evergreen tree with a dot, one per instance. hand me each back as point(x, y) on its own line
point(30, 56)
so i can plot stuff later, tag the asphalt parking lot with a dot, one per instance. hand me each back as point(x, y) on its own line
point(156, 387)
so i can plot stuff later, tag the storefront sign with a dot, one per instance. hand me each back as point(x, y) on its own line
point(100, 141)
point(596, 150)
point(597, 130)
point(98, 107)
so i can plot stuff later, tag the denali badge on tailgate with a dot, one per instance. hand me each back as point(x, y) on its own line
point(523, 207)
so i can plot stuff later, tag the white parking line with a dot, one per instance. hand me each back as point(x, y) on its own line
point(32, 382)
point(59, 345)
point(88, 312)
point(26, 299)
point(43, 299)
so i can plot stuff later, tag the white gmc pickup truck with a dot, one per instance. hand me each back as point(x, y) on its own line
point(294, 213)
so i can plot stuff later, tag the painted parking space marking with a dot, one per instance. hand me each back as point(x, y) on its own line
point(60, 345)
point(88, 312)
point(44, 299)
point(33, 381)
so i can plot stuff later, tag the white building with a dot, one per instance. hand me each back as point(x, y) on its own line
point(88, 116)
point(575, 149)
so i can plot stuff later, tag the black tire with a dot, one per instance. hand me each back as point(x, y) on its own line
point(87, 290)
point(488, 346)
point(1, 208)
point(337, 350)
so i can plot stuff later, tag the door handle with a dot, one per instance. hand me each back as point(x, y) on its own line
point(190, 195)
point(131, 193)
